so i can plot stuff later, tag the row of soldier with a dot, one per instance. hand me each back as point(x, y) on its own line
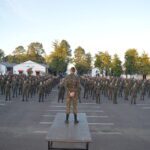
point(112, 88)
point(27, 86)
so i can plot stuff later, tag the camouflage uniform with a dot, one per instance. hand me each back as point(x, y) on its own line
point(61, 91)
point(25, 90)
point(97, 92)
point(72, 83)
point(115, 92)
point(41, 92)
point(134, 93)
point(14, 87)
point(8, 90)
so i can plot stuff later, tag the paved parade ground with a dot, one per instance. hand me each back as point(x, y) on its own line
point(122, 126)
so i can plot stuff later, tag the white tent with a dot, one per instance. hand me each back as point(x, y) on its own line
point(37, 69)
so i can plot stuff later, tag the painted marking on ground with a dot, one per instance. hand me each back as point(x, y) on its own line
point(107, 124)
point(145, 107)
point(97, 116)
point(45, 123)
point(108, 133)
point(40, 132)
point(56, 110)
point(48, 115)
point(2, 104)
point(57, 106)
point(142, 104)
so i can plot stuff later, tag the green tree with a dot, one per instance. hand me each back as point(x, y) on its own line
point(116, 67)
point(35, 52)
point(103, 62)
point(82, 60)
point(19, 55)
point(19, 50)
point(1, 55)
point(60, 56)
point(131, 61)
point(144, 65)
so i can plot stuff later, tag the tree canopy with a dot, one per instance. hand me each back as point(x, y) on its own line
point(1, 55)
point(116, 67)
point(103, 62)
point(82, 60)
point(60, 56)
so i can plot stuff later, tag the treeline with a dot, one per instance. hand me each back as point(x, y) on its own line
point(61, 56)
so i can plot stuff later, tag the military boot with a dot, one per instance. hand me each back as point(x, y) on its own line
point(75, 119)
point(67, 119)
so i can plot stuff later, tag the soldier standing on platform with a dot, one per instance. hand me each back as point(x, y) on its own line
point(72, 84)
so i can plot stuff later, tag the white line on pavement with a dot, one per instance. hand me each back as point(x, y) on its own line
point(89, 104)
point(97, 116)
point(2, 104)
point(57, 106)
point(107, 124)
point(45, 122)
point(56, 110)
point(142, 104)
point(108, 133)
point(145, 107)
point(40, 132)
point(79, 111)
point(80, 107)
point(93, 111)
point(48, 115)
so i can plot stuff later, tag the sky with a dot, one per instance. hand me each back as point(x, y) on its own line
point(95, 25)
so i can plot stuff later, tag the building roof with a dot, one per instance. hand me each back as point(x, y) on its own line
point(29, 61)
point(8, 64)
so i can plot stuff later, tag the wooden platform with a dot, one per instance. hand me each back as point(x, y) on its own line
point(69, 133)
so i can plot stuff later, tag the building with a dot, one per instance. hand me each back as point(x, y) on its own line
point(6, 68)
point(95, 72)
point(30, 67)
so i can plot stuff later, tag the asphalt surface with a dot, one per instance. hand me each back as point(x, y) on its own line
point(122, 126)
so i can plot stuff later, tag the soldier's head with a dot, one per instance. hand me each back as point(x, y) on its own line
point(72, 70)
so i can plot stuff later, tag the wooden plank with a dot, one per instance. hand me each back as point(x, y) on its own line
point(73, 133)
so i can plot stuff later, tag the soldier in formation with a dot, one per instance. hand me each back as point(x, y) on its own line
point(26, 87)
point(113, 88)
point(61, 90)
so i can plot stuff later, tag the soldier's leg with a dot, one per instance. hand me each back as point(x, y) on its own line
point(84, 93)
point(39, 97)
point(6, 96)
point(75, 110)
point(135, 100)
point(68, 104)
point(13, 92)
point(42, 97)
point(22, 96)
point(115, 98)
point(99, 98)
point(63, 97)
point(27, 96)
point(131, 99)
point(9, 96)
point(58, 97)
